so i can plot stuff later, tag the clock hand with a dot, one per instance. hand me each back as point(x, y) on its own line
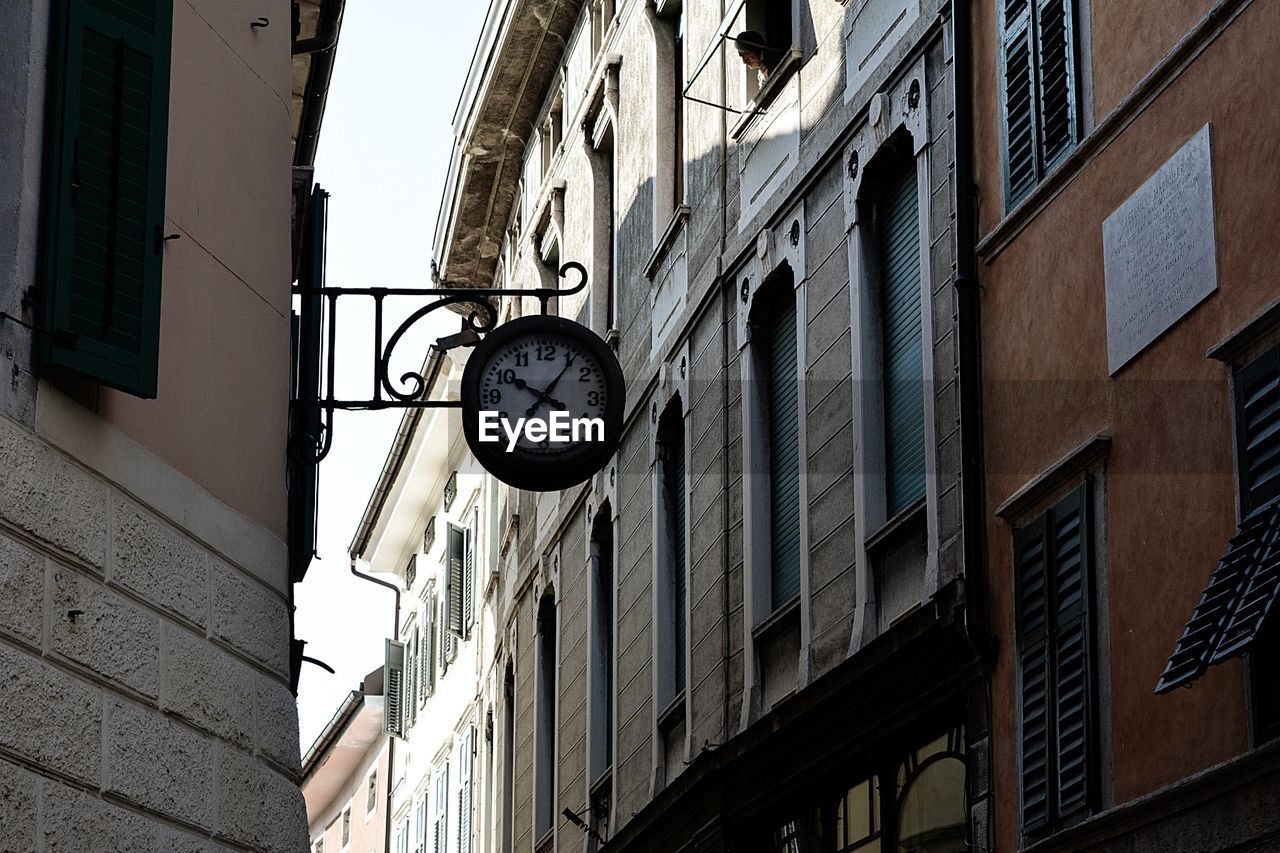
point(555, 381)
point(543, 396)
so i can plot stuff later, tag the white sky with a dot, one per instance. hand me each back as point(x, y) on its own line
point(383, 155)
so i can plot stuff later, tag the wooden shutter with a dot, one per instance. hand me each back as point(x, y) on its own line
point(1071, 656)
point(466, 771)
point(469, 576)
point(305, 430)
point(1033, 662)
point(427, 678)
point(902, 345)
point(1040, 98)
point(1019, 101)
point(442, 809)
point(455, 582)
point(1053, 568)
point(104, 203)
point(679, 567)
point(393, 709)
point(1258, 429)
point(442, 642)
point(411, 679)
point(1055, 39)
point(784, 451)
point(420, 834)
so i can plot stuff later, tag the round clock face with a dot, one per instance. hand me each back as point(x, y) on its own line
point(542, 403)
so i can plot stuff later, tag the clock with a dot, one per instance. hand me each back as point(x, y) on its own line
point(542, 403)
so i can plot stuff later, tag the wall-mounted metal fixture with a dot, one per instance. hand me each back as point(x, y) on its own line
point(260, 24)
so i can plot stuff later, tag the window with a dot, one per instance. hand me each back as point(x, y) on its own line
point(760, 32)
point(440, 839)
point(671, 558)
point(466, 777)
point(469, 575)
point(318, 846)
point(782, 406)
point(602, 662)
point(508, 760)
point(604, 165)
point(545, 713)
point(902, 348)
point(677, 108)
point(1040, 93)
point(346, 827)
point(402, 838)
point(411, 677)
point(1056, 705)
point(371, 794)
point(426, 654)
point(420, 825)
point(446, 643)
point(103, 229)
point(458, 567)
point(1232, 616)
point(906, 801)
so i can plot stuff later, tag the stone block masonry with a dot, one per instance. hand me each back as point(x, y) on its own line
point(143, 674)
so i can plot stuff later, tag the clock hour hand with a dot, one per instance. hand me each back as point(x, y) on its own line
point(543, 396)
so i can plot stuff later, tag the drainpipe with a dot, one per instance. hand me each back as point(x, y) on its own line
point(968, 323)
point(386, 679)
point(968, 326)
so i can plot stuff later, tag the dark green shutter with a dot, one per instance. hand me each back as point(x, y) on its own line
point(784, 452)
point(678, 564)
point(1040, 100)
point(903, 349)
point(1258, 427)
point(1071, 656)
point(104, 223)
point(1053, 570)
point(454, 580)
point(1033, 660)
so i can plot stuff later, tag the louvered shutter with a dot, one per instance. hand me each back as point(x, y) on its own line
point(411, 680)
point(455, 584)
point(442, 809)
point(393, 707)
point(1053, 567)
point(427, 678)
point(442, 641)
point(466, 770)
point(469, 577)
point(1056, 75)
point(1071, 656)
point(420, 834)
point(1019, 101)
point(1258, 428)
point(104, 224)
point(784, 452)
point(1040, 99)
point(902, 347)
point(679, 523)
point(1033, 661)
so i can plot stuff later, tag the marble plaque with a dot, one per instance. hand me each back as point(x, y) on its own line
point(1158, 251)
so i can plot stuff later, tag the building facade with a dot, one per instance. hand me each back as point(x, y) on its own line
point(145, 269)
point(763, 195)
point(1124, 158)
point(429, 531)
point(346, 774)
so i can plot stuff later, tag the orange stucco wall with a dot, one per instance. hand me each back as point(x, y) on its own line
point(1170, 486)
point(222, 406)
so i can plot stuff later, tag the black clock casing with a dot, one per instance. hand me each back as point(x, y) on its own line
point(578, 358)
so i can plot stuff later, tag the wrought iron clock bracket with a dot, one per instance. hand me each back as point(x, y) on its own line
point(311, 421)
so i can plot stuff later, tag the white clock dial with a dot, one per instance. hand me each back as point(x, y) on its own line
point(536, 376)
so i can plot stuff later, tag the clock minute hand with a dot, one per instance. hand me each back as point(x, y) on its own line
point(556, 381)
